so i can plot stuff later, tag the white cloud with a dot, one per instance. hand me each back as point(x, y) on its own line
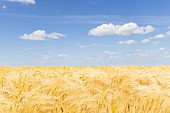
point(146, 40)
point(94, 45)
point(168, 34)
point(23, 1)
point(128, 42)
point(160, 36)
point(167, 56)
point(109, 52)
point(90, 46)
point(63, 55)
point(111, 55)
point(125, 29)
point(3, 7)
point(161, 49)
point(45, 57)
point(143, 53)
point(41, 35)
point(156, 43)
point(169, 27)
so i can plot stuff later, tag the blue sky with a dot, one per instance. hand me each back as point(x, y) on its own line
point(84, 32)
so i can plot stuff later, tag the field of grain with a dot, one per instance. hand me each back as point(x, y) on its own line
point(125, 89)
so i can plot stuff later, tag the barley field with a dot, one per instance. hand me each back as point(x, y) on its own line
point(106, 89)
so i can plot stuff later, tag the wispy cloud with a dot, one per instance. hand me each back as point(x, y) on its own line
point(168, 27)
point(63, 55)
point(45, 57)
point(90, 45)
point(128, 42)
point(161, 49)
point(110, 55)
point(41, 35)
point(96, 19)
point(3, 6)
point(23, 1)
point(156, 43)
point(94, 45)
point(144, 53)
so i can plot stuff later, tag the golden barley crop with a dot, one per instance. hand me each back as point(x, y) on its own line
point(107, 89)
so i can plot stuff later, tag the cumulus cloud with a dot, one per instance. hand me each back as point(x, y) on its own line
point(128, 42)
point(41, 35)
point(125, 29)
point(23, 1)
point(160, 36)
point(146, 40)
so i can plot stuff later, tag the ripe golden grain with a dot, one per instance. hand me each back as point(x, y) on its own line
point(124, 89)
